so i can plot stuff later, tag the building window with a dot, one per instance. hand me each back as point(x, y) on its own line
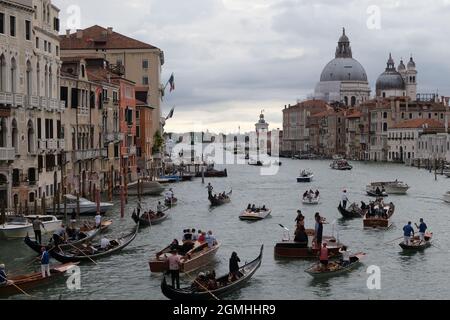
point(27, 30)
point(45, 45)
point(56, 24)
point(49, 47)
point(145, 80)
point(145, 64)
point(37, 42)
point(138, 132)
point(385, 115)
point(2, 23)
point(57, 51)
point(385, 127)
point(12, 26)
point(119, 62)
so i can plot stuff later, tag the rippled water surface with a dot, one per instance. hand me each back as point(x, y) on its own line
point(413, 276)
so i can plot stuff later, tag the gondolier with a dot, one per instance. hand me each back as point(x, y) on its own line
point(210, 190)
point(174, 268)
point(45, 263)
point(408, 231)
point(37, 223)
point(344, 199)
point(422, 230)
point(3, 276)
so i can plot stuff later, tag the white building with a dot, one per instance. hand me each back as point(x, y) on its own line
point(416, 139)
point(343, 79)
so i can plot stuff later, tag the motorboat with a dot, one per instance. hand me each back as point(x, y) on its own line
point(86, 207)
point(305, 176)
point(259, 214)
point(377, 192)
point(18, 227)
point(255, 163)
point(391, 187)
point(311, 200)
point(148, 188)
point(341, 165)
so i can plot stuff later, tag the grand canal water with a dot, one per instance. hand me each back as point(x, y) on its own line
point(414, 276)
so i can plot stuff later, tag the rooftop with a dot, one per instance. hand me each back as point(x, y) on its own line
point(420, 123)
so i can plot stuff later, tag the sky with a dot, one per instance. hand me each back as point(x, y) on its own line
point(234, 58)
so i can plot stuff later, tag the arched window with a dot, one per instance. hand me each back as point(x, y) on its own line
point(50, 83)
point(346, 101)
point(14, 136)
point(385, 127)
point(13, 75)
point(353, 101)
point(83, 71)
point(73, 139)
point(30, 135)
point(3, 133)
point(46, 82)
point(29, 81)
point(2, 73)
point(38, 78)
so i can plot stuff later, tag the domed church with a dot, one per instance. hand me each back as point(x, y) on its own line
point(401, 82)
point(343, 79)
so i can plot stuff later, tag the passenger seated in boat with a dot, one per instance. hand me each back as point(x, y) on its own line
point(253, 208)
point(300, 220)
point(71, 233)
point(264, 208)
point(323, 257)
point(3, 277)
point(305, 195)
point(317, 194)
point(201, 283)
point(345, 261)
point(187, 235)
point(249, 208)
point(378, 191)
point(186, 247)
point(212, 282)
point(159, 209)
point(175, 245)
point(202, 238)
point(104, 244)
point(301, 237)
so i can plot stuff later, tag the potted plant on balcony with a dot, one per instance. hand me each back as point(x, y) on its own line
point(158, 143)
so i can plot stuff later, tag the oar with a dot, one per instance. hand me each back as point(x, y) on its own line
point(393, 240)
point(212, 294)
point(284, 227)
point(79, 250)
point(16, 286)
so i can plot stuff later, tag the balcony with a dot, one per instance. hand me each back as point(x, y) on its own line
point(7, 154)
point(42, 145)
point(62, 105)
point(18, 100)
point(82, 155)
point(33, 102)
point(54, 105)
point(52, 144)
point(114, 137)
point(44, 103)
point(61, 144)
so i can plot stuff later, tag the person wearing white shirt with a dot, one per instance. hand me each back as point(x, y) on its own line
point(98, 220)
point(345, 256)
point(104, 243)
point(344, 199)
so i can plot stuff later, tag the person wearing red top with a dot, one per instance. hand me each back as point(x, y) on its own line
point(202, 237)
point(323, 256)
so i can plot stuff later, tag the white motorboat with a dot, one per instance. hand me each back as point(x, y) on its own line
point(390, 187)
point(447, 197)
point(86, 207)
point(311, 200)
point(148, 188)
point(305, 176)
point(19, 227)
point(341, 165)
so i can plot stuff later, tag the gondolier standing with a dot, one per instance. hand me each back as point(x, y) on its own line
point(210, 190)
point(37, 223)
point(174, 268)
point(422, 230)
point(344, 199)
point(407, 232)
point(45, 263)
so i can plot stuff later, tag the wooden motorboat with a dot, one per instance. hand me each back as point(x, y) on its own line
point(85, 235)
point(294, 250)
point(151, 219)
point(89, 253)
point(32, 280)
point(18, 227)
point(198, 256)
point(225, 286)
point(341, 165)
point(417, 245)
point(218, 201)
point(335, 268)
point(375, 191)
point(249, 215)
point(379, 222)
point(352, 212)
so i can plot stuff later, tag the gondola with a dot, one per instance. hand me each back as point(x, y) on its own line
point(33, 280)
point(144, 222)
point(76, 255)
point(335, 268)
point(417, 245)
point(88, 236)
point(351, 214)
point(246, 272)
point(215, 202)
point(171, 203)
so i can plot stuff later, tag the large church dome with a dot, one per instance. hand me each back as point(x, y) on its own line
point(343, 67)
point(391, 79)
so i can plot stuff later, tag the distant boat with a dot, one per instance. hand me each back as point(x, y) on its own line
point(378, 222)
point(305, 176)
point(335, 268)
point(417, 245)
point(86, 207)
point(391, 187)
point(311, 200)
point(255, 163)
point(249, 215)
point(148, 188)
point(342, 165)
point(20, 227)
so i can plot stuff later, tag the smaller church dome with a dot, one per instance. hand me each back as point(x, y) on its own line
point(391, 79)
point(411, 64)
point(401, 66)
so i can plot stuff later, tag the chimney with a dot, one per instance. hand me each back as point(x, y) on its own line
point(79, 33)
point(68, 33)
point(110, 30)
